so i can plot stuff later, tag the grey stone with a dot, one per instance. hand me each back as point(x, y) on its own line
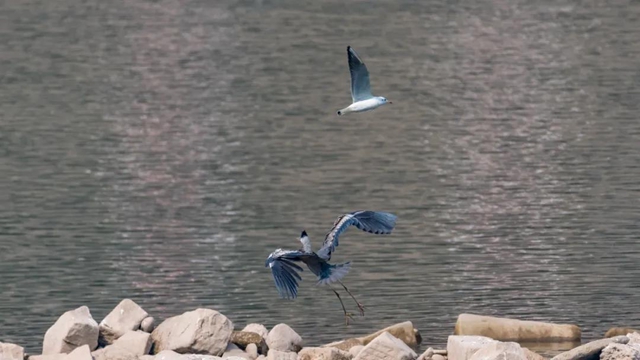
point(323, 353)
point(147, 324)
point(619, 352)
point(258, 329)
point(500, 351)
point(345, 345)
point(283, 338)
point(127, 316)
point(73, 329)
point(403, 331)
point(462, 347)
point(10, 351)
point(202, 331)
point(137, 342)
point(386, 347)
point(591, 350)
point(244, 338)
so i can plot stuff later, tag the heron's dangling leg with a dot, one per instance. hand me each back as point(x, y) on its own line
point(360, 306)
point(347, 315)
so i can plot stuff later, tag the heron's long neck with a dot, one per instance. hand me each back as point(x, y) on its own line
point(306, 244)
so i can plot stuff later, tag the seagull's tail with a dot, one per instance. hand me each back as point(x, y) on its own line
point(333, 273)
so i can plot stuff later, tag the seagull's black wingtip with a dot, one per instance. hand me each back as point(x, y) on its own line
point(304, 233)
point(348, 48)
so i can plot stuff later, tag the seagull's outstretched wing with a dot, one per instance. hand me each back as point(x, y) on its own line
point(376, 222)
point(285, 272)
point(360, 87)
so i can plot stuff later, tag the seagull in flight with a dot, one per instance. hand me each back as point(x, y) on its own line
point(360, 87)
point(285, 271)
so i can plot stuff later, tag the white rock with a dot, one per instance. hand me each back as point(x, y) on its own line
point(258, 329)
point(500, 351)
point(200, 331)
point(80, 353)
point(146, 357)
point(386, 347)
point(233, 351)
point(634, 338)
point(355, 350)
point(252, 349)
point(438, 357)
point(323, 353)
point(281, 355)
point(619, 352)
point(201, 357)
point(137, 342)
point(11, 352)
point(261, 357)
point(426, 355)
point(60, 356)
point(283, 338)
point(403, 331)
point(73, 329)
point(125, 317)
point(112, 352)
point(147, 324)
point(461, 347)
point(169, 355)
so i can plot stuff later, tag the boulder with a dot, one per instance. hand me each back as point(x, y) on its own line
point(125, 317)
point(617, 331)
point(504, 329)
point(73, 329)
point(619, 352)
point(146, 357)
point(112, 352)
point(233, 351)
point(202, 331)
point(403, 331)
point(283, 338)
point(137, 342)
point(11, 351)
point(426, 355)
point(258, 329)
point(252, 349)
point(461, 347)
point(80, 353)
point(169, 355)
point(591, 350)
point(323, 353)
point(147, 324)
point(345, 345)
point(438, 357)
point(386, 347)
point(244, 338)
point(355, 350)
point(499, 351)
point(281, 355)
point(634, 338)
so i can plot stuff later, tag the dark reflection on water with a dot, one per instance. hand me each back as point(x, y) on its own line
point(160, 150)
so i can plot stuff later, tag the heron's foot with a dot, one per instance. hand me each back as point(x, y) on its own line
point(347, 316)
point(361, 308)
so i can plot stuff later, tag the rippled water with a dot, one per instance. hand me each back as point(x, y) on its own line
point(160, 150)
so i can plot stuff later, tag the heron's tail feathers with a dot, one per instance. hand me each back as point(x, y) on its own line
point(334, 273)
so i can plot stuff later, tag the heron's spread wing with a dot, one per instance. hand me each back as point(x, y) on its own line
point(376, 222)
point(285, 272)
point(360, 87)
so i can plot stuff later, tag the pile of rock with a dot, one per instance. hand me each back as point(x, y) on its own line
point(128, 333)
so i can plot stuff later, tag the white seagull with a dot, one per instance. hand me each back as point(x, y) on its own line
point(360, 87)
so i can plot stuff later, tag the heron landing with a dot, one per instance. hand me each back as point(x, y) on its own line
point(285, 271)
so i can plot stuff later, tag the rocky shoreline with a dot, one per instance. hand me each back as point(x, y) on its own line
point(129, 333)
